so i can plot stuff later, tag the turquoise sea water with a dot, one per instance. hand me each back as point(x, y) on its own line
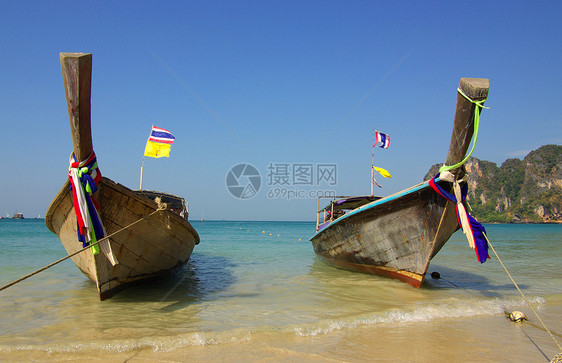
point(253, 281)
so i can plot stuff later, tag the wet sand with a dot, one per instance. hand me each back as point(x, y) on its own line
point(478, 339)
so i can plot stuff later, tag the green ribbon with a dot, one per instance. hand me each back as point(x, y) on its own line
point(81, 171)
point(479, 105)
point(86, 170)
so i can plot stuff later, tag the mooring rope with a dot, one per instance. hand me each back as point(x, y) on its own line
point(541, 328)
point(523, 295)
point(161, 207)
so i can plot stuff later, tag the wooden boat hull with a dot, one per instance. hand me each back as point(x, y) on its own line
point(393, 237)
point(398, 235)
point(156, 245)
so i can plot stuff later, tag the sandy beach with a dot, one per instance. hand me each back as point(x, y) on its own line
point(477, 339)
point(283, 305)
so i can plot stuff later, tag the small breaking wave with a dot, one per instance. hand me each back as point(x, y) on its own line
point(162, 344)
point(451, 309)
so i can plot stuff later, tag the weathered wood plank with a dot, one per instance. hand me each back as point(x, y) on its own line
point(77, 78)
point(145, 249)
point(148, 250)
point(398, 235)
point(463, 127)
point(375, 238)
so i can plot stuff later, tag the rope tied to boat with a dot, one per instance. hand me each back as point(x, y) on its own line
point(84, 177)
point(479, 106)
point(473, 230)
point(524, 297)
point(161, 207)
point(482, 243)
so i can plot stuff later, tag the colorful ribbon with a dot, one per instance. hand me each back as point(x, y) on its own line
point(473, 229)
point(84, 177)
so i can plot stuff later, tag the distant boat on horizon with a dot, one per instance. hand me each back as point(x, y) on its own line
point(17, 215)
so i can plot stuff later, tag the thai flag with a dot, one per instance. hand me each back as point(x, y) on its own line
point(161, 135)
point(382, 139)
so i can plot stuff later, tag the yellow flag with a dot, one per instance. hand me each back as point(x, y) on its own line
point(157, 149)
point(383, 172)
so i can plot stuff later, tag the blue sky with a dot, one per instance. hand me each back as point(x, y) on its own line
point(270, 83)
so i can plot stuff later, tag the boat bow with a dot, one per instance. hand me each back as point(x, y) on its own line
point(397, 236)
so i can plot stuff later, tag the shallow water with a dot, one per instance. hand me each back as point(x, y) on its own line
point(256, 291)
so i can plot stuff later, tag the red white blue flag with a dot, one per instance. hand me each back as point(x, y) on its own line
point(161, 135)
point(381, 140)
point(159, 143)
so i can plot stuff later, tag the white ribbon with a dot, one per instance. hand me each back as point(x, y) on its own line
point(105, 246)
point(461, 210)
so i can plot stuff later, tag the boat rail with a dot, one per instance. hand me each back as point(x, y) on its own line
point(339, 206)
point(174, 203)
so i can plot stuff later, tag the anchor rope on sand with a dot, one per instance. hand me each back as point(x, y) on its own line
point(523, 295)
point(556, 359)
point(518, 316)
point(161, 207)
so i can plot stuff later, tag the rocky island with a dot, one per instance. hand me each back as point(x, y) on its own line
point(518, 191)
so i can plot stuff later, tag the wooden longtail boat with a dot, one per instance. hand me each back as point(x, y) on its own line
point(397, 236)
point(158, 243)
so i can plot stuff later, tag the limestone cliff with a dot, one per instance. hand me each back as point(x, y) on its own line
point(520, 191)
